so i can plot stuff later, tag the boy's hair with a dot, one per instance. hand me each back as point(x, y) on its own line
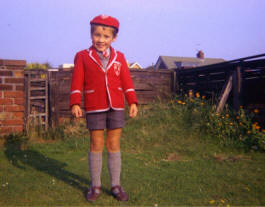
point(114, 29)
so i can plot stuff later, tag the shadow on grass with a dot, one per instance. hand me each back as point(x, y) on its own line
point(21, 158)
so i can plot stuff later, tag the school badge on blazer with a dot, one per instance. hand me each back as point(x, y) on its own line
point(117, 68)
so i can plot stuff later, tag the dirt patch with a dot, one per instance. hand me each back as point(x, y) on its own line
point(174, 157)
point(231, 158)
point(42, 141)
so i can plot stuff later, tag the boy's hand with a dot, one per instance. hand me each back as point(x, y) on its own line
point(133, 110)
point(76, 111)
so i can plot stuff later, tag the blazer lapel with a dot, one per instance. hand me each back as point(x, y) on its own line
point(94, 56)
point(113, 57)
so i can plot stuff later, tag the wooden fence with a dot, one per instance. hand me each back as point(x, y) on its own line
point(149, 85)
point(240, 82)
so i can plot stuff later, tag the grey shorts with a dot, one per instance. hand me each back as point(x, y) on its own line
point(105, 120)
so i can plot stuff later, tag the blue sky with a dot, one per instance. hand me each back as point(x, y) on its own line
point(54, 30)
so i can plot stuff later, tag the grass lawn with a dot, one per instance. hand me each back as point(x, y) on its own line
point(164, 164)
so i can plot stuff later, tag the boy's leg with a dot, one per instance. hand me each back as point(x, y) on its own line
point(95, 156)
point(114, 163)
point(114, 155)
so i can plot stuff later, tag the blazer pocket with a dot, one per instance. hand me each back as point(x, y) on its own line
point(90, 91)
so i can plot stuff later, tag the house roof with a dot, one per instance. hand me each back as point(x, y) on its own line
point(170, 62)
point(135, 64)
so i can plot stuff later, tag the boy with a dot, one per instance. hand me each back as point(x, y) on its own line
point(103, 74)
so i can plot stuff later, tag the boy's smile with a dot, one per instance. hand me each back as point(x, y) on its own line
point(102, 37)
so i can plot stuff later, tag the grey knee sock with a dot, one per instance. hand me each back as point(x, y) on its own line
point(95, 165)
point(114, 165)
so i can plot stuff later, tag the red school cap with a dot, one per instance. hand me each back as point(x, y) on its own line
point(106, 20)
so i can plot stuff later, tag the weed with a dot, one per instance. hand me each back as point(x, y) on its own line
point(229, 128)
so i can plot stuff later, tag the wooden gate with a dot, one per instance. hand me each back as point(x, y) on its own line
point(36, 88)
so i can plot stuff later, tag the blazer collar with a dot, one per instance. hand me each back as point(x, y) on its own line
point(95, 57)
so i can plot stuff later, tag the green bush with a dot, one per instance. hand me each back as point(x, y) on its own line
point(43, 66)
point(229, 128)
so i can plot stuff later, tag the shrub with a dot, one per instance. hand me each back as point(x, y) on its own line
point(229, 128)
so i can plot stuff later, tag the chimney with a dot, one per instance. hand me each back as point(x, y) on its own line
point(200, 55)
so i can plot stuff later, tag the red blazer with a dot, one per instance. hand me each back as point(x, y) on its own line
point(102, 89)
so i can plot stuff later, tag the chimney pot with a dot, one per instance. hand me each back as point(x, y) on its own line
point(200, 55)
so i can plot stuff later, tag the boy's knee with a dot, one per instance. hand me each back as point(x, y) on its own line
point(97, 146)
point(113, 146)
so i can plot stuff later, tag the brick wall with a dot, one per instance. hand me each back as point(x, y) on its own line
point(12, 96)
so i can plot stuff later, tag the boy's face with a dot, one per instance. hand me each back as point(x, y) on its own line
point(102, 37)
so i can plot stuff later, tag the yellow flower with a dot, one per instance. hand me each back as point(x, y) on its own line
point(198, 95)
point(179, 102)
point(203, 97)
point(212, 201)
point(231, 124)
point(222, 201)
point(227, 115)
point(257, 127)
point(217, 114)
point(246, 188)
point(183, 103)
point(227, 205)
point(256, 111)
point(202, 103)
point(223, 117)
point(248, 132)
point(240, 123)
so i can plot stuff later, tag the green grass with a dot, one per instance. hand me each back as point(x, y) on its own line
point(165, 162)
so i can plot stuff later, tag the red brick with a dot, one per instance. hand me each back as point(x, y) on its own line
point(19, 73)
point(13, 122)
point(14, 108)
point(20, 88)
point(19, 115)
point(6, 101)
point(11, 129)
point(6, 115)
point(5, 87)
point(19, 101)
point(5, 73)
point(6, 130)
point(1, 109)
point(14, 80)
point(14, 94)
point(18, 128)
point(7, 62)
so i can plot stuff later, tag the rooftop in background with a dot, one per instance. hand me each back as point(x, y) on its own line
point(170, 62)
point(134, 65)
point(66, 66)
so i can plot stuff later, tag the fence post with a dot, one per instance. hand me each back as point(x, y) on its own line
point(237, 88)
point(173, 82)
point(225, 93)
